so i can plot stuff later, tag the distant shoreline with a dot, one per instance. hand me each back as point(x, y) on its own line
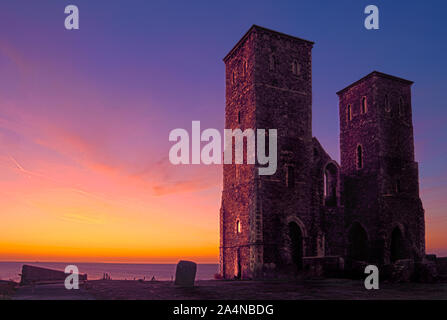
point(117, 271)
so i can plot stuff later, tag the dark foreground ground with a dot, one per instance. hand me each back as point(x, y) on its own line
point(276, 290)
point(6, 289)
point(339, 289)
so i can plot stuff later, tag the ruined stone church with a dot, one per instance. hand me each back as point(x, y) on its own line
point(314, 212)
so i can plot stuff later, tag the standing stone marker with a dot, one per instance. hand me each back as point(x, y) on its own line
point(185, 274)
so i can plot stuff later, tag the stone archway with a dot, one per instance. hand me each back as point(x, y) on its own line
point(358, 249)
point(398, 249)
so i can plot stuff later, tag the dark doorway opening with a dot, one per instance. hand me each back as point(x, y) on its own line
point(296, 245)
point(358, 243)
point(238, 264)
point(397, 247)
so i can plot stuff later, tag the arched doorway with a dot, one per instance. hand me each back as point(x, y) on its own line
point(296, 245)
point(238, 266)
point(358, 243)
point(397, 247)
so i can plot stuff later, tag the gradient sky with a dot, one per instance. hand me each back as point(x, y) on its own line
point(85, 115)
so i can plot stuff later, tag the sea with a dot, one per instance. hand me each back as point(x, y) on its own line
point(117, 271)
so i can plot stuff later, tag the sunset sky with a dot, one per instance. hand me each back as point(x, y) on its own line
point(85, 115)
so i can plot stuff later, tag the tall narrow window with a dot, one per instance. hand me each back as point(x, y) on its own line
point(244, 67)
point(359, 157)
point(349, 113)
point(364, 107)
point(330, 185)
point(239, 117)
point(233, 77)
point(238, 226)
point(387, 104)
point(295, 68)
point(272, 63)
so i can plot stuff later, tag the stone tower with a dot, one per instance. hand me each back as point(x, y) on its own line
point(383, 212)
point(268, 86)
point(313, 213)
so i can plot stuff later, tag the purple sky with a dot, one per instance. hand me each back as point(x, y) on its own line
point(91, 109)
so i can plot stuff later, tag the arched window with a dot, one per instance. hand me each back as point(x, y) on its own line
point(359, 157)
point(238, 226)
point(401, 106)
point(364, 107)
point(295, 67)
point(272, 62)
point(290, 177)
point(330, 185)
point(387, 104)
point(349, 113)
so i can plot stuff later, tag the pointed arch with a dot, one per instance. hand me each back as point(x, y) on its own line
point(398, 247)
point(299, 223)
point(331, 183)
point(358, 242)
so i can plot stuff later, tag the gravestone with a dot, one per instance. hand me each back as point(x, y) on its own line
point(185, 274)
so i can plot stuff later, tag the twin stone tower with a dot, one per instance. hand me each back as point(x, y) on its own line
point(314, 213)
